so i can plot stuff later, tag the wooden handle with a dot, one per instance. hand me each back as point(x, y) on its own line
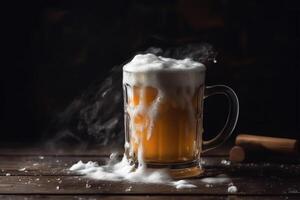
point(272, 144)
point(237, 154)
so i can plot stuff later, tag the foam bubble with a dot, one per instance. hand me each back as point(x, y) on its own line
point(183, 184)
point(232, 189)
point(216, 180)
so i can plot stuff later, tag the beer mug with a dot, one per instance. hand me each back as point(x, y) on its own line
point(163, 106)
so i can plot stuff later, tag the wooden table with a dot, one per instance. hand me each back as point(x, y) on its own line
point(29, 173)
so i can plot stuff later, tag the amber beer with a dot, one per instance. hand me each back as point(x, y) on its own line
point(163, 104)
point(173, 137)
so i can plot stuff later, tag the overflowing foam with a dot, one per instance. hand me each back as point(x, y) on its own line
point(122, 170)
point(160, 72)
point(174, 79)
point(150, 62)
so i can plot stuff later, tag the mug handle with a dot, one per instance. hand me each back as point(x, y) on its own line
point(232, 116)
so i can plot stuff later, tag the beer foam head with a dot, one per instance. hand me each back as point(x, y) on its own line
point(151, 70)
point(150, 62)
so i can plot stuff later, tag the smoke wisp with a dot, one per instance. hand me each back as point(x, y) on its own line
point(96, 117)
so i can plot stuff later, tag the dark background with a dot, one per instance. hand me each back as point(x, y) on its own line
point(55, 49)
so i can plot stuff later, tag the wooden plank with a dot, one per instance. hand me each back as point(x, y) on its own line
point(53, 165)
point(79, 185)
point(142, 197)
point(42, 175)
point(42, 165)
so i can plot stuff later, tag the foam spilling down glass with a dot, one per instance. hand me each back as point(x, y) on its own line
point(163, 104)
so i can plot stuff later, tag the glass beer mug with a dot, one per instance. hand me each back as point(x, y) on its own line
point(163, 104)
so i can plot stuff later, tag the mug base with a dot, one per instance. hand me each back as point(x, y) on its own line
point(186, 172)
point(180, 171)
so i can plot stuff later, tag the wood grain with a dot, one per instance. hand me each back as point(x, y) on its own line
point(78, 185)
point(47, 176)
point(150, 197)
point(271, 144)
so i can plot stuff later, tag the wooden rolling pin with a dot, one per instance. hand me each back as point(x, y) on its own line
point(254, 146)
